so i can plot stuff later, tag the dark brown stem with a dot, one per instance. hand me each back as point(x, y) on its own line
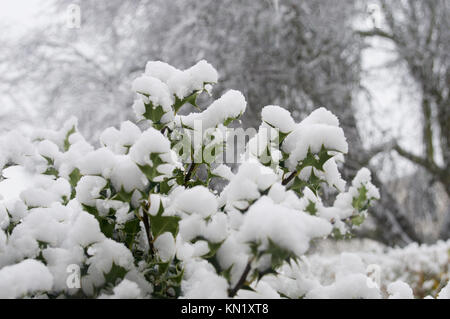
point(241, 281)
point(189, 173)
point(163, 130)
point(145, 220)
point(289, 178)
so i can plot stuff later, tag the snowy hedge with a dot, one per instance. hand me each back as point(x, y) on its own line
point(138, 216)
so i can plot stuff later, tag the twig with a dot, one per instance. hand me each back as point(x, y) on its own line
point(289, 178)
point(241, 280)
point(189, 173)
point(147, 229)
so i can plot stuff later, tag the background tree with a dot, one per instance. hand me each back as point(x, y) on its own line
point(419, 32)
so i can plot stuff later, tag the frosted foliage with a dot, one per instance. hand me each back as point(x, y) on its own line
point(182, 83)
point(135, 217)
point(229, 106)
point(165, 244)
point(288, 228)
point(320, 128)
point(125, 290)
point(151, 141)
point(127, 176)
point(197, 200)
point(157, 90)
point(278, 117)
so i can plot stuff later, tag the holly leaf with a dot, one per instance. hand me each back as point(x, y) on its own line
point(115, 273)
point(191, 99)
point(160, 224)
point(66, 139)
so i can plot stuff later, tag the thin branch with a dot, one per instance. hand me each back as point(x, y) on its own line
point(145, 208)
point(383, 147)
point(241, 280)
point(189, 173)
point(430, 166)
point(289, 178)
point(376, 33)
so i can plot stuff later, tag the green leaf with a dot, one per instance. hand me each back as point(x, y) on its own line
point(279, 255)
point(357, 220)
point(178, 277)
point(163, 267)
point(312, 183)
point(338, 235)
point(115, 273)
point(123, 196)
point(151, 171)
point(42, 244)
point(160, 224)
point(106, 225)
point(74, 177)
point(213, 248)
point(191, 99)
point(51, 171)
point(50, 162)
point(131, 229)
point(311, 208)
point(153, 113)
point(229, 120)
point(66, 139)
point(227, 273)
point(361, 202)
point(164, 187)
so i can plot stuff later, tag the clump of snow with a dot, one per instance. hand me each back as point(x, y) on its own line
point(202, 282)
point(197, 200)
point(363, 178)
point(261, 290)
point(288, 228)
point(28, 276)
point(157, 91)
point(320, 128)
point(351, 282)
point(165, 244)
point(98, 162)
point(183, 83)
point(126, 175)
point(125, 290)
point(103, 255)
point(88, 189)
point(246, 185)
point(332, 175)
point(160, 70)
point(46, 192)
point(151, 141)
point(399, 290)
point(223, 171)
point(229, 106)
point(278, 117)
point(119, 141)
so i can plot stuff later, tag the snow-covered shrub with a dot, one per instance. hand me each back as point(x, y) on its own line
point(425, 268)
point(415, 270)
point(137, 216)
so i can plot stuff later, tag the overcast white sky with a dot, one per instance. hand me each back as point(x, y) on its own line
point(20, 14)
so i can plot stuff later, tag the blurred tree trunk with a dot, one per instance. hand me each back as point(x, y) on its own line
point(420, 31)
